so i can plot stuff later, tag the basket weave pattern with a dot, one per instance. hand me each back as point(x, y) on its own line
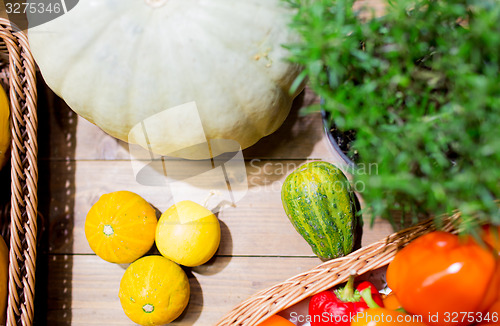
point(18, 68)
point(266, 303)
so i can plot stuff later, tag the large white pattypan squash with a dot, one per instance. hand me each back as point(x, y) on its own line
point(171, 74)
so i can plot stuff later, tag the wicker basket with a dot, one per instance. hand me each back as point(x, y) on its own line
point(18, 75)
point(266, 303)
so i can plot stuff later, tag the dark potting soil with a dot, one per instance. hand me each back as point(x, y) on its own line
point(344, 140)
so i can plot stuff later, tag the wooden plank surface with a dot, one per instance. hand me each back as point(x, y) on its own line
point(89, 293)
point(259, 246)
point(74, 138)
point(256, 226)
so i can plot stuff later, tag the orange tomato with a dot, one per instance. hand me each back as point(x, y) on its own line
point(491, 235)
point(276, 320)
point(440, 274)
point(491, 317)
point(384, 316)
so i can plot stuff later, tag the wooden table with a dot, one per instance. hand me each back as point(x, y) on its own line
point(259, 247)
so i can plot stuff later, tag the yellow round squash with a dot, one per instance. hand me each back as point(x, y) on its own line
point(120, 227)
point(4, 127)
point(154, 291)
point(188, 234)
point(170, 74)
point(4, 279)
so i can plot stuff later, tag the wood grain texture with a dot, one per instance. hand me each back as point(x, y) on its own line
point(257, 225)
point(83, 289)
point(259, 246)
point(299, 136)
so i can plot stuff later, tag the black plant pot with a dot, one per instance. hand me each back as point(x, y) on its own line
point(339, 140)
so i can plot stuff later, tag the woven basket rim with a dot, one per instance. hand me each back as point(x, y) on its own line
point(21, 74)
point(263, 304)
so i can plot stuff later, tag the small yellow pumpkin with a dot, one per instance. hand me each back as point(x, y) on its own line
point(4, 279)
point(188, 234)
point(4, 127)
point(154, 291)
point(120, 227)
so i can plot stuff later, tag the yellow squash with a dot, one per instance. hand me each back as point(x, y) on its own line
point(154, 291)
point(188, 234)
point(120, 227)
point(4, 127)
point(4, 278)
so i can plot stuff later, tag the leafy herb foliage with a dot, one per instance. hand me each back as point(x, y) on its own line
point(420, 85)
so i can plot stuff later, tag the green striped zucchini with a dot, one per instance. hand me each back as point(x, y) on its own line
point(318, 200)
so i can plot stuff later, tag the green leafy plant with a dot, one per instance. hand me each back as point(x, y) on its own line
point(420, 86)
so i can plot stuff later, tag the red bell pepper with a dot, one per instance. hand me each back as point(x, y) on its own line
point(340, 306)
